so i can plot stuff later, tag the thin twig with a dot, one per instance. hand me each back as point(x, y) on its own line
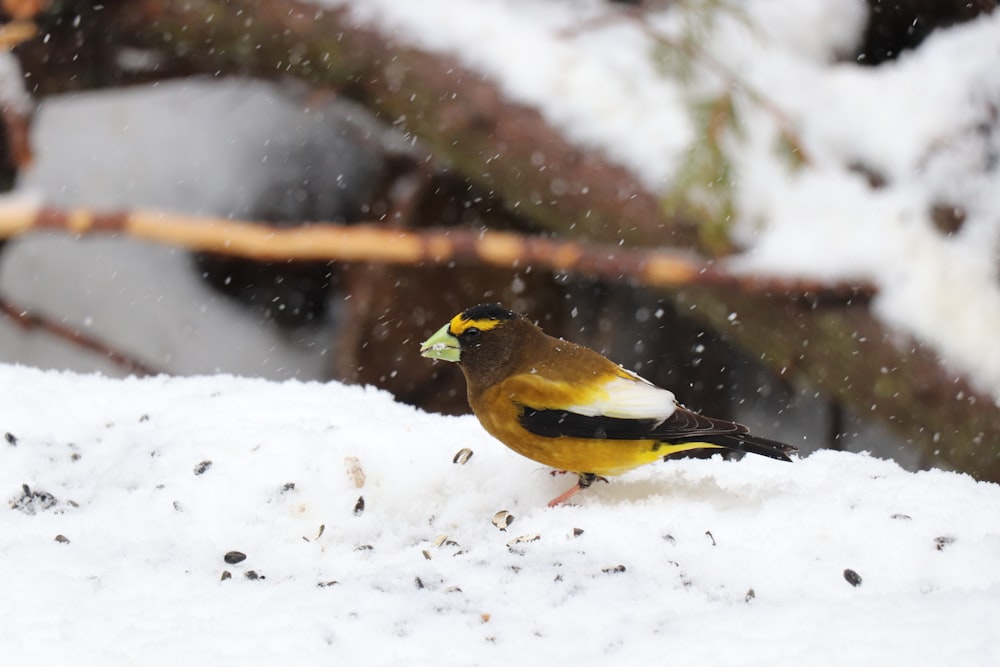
point(29, 321)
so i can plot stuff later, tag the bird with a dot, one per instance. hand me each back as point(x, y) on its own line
point(571, 408)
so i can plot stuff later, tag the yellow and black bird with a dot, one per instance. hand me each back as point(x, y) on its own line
point(570, 408)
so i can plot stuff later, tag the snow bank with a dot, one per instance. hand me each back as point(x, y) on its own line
point(137, 489)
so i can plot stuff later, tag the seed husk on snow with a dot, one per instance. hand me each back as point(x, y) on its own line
point(463, 456)
point(533, 537)
point(503, 519)
point(355, 471)
point(322, 527)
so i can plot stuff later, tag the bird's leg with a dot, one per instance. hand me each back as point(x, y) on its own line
point(586, 479)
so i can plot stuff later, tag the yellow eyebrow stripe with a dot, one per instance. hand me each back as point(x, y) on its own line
point(459, 325)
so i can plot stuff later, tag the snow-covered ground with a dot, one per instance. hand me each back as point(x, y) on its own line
point(369, 545)
point(366, 544)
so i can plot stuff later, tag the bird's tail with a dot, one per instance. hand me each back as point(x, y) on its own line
point(744, 442)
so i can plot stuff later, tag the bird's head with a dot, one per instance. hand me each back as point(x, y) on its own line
point(473, 332)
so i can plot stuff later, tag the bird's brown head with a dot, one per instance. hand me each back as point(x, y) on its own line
point(483, 340)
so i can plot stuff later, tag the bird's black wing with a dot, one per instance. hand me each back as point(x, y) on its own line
point(682, 426)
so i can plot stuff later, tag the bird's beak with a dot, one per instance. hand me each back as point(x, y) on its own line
point(442, 345)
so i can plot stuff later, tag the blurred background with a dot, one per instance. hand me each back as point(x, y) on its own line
point(102, 115)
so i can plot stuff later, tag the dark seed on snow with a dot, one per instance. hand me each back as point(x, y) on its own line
point(577, 532)
point(616, 569)
point(852, 577)
point(359, 506)
point(202, 467)
point(749, 596)
point(10, 438)
point(226, 574)
point(234, 557)
point(941, 542)
point(253, 576)
point(62, 539)
point(33, 500)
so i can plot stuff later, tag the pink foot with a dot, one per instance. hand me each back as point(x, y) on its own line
point(586, 479)
point(572, 491)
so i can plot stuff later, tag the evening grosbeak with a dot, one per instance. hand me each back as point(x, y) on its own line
point(568, 407)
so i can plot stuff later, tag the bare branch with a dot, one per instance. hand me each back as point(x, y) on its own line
point(28, 321)
point(375, 243)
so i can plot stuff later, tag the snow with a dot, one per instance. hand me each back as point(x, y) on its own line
point(657, 565)
point(146, 301)
point(124, 496)
point(12, 93)
point(924, 124)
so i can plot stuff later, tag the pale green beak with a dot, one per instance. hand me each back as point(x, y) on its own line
point(442, 345)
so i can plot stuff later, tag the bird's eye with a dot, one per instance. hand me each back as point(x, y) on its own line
point(472, 334)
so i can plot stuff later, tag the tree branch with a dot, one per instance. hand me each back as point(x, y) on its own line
point(379, 243)
point(28, 321)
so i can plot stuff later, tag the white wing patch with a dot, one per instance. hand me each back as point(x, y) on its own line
point(629, 398)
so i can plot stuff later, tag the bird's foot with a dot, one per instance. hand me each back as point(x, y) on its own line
point(586, 479)
point(572, 491)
